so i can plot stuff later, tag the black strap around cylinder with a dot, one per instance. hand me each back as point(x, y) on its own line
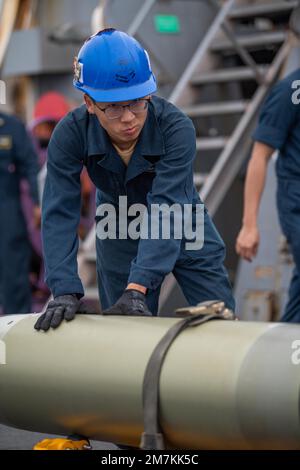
point(152, 437)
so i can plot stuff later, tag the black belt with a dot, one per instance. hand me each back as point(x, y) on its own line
point(152, 437)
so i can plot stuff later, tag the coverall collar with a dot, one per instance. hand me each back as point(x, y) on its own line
point(150, 143)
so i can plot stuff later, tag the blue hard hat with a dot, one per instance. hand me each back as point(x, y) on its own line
point(112, 66)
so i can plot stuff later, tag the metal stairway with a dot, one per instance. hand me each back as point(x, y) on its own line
point(222, 90)
point(246, 44)
point(225, 43)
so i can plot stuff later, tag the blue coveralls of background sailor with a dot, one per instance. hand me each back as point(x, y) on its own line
point(17, 160)
point(160, 171)
point(279, 127)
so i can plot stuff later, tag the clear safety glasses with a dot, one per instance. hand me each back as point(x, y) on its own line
point(115, 111)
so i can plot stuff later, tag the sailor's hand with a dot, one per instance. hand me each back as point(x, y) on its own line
point(247, 242)
point(132, 302)
point(63, 307)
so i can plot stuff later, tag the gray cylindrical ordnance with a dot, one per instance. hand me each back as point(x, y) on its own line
point(224, 385)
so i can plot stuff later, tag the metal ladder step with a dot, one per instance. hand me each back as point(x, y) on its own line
point(210, 109)
point(211, 143)
point(258, 39)
point(246, 11)
point(226, 75)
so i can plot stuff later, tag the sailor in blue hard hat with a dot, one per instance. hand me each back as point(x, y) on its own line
point(136, 145)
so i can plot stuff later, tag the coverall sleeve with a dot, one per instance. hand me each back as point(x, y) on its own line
point(27, 160)
point(173, 184)
point(61, 212)
point(277, 116)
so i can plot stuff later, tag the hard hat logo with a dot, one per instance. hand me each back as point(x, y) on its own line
point(116, 68)
point(77, 70)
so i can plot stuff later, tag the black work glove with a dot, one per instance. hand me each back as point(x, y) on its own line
point(63, 307)
point(131, 302)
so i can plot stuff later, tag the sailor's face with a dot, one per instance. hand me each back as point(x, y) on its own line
point(124, 128)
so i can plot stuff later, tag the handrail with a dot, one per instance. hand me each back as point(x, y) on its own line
point(139, 18)
point(201, 51)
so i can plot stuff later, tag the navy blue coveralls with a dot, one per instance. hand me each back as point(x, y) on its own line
point(17, 160)
point(159, 171)
point(279, 127)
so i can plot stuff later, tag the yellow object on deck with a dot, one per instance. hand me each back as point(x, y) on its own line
point(62, 444)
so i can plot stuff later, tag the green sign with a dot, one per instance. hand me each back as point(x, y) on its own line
point(167, 24)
